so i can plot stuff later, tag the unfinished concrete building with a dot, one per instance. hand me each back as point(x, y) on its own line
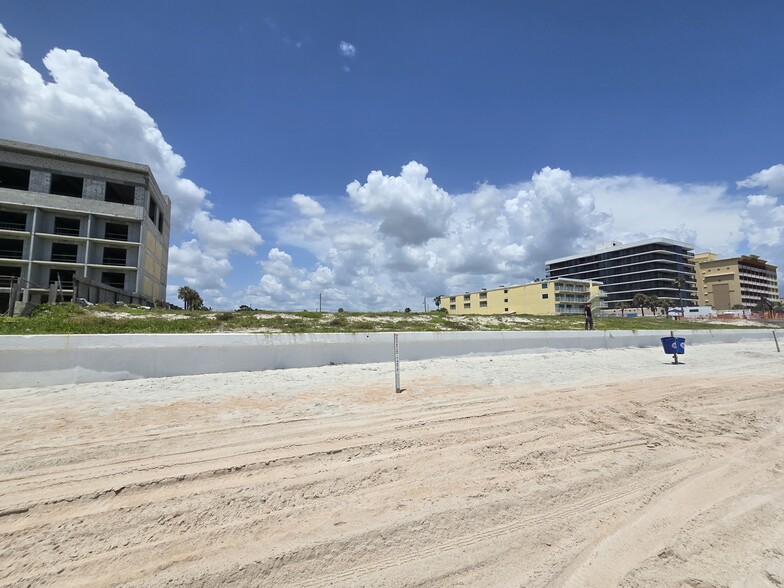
point(81, 226)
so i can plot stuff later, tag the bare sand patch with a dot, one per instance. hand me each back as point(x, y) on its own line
point(596, 468)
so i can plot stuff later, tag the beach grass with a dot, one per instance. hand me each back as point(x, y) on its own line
point(105, 318)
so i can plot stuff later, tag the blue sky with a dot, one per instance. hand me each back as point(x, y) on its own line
point(381, 153)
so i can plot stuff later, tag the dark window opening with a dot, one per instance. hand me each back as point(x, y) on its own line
point(114, 256)
point(64, 252)
point(160, 223)
point(153, 212)
point(13, 221)
point(11, 248)
point(119, 193)
point(7, 274)
point(66, 185)
point(116, 232)
point(545, 296)
point(66, 278)
point(14, 178)
point(113, 279)
point(67, 226)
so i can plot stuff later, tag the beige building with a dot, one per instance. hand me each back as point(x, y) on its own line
point(548, 297)
point(738, 281)
point(81, 222)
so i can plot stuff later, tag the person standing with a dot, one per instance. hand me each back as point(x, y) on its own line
point(588, 317)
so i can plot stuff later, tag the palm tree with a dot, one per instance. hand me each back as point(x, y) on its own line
point(679, 283)
point(640, 300)
point(653, 303)
point(190, 298)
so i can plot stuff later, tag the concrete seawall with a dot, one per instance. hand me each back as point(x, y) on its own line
point(43, 360)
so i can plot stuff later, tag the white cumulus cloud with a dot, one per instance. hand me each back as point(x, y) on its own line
point(347, 49)
point(412, 208)
point(771, 179)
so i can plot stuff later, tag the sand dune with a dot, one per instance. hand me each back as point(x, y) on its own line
point(596, 468)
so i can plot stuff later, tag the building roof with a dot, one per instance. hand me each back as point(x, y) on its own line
point(622, 246)
point(77, 157)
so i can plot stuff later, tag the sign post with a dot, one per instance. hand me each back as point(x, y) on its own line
point(398, 390)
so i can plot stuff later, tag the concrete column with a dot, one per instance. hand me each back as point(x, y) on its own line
point(40, 181)
point(94, 190)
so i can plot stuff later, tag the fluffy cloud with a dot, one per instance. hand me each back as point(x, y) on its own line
point(222, 237)
point(408, 239)
point(81, 110)
point(771, 179)
point(307, 206)
point(347, 49)
point(411, 207)
point(197, 268)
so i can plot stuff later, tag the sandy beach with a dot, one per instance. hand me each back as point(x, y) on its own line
point(593, 468)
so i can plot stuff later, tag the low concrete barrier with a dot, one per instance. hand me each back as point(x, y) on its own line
point(43, 360)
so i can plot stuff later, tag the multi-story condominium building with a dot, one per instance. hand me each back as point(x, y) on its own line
point(741, 281)
point(655, 267)
point(548, 297)
point(67, 217)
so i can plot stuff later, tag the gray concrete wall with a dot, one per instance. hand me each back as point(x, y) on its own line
point(42, 360)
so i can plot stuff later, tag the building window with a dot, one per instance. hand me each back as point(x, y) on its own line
point(119, 193)
point(66, 226)
point(467, 305)
point(506, 291)
point(506, 300)
point(545, 296)
point(66, 185)
point(11, 248)
point(153, 211)
point(544, 285)
point(116, 232)
point(14, 178)
point(7, 274)
point(113, 279)
point(506, 310)
point(65, 252)
point(452, 307)
point(483, 304)
point(467, 297)
point(13, 221)
point(453, 299)
point(483, 295)
point(114, 256)
point(65, 277)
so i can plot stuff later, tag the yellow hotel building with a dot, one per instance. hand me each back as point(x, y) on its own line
point(547, 297)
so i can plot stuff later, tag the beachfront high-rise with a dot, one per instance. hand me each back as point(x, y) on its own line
point(735, 282)
point(648, 267)
point(69, 218)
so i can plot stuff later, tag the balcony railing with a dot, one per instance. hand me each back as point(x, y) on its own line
point(64, 257)
point(13, 226)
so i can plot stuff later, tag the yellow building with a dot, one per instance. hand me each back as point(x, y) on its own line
point(737, 281)
point(548, 297)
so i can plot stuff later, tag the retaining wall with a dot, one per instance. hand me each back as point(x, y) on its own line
point(42, 360)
